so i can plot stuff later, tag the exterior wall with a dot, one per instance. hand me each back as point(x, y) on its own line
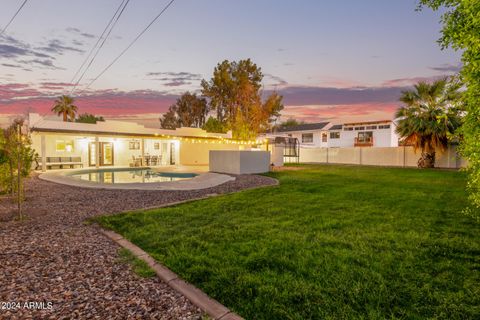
point(122, 155)
point(381, 156)
point(346, 139)
point(317, 137)
point(239, 162)
point(381, 138)
point(198, 153)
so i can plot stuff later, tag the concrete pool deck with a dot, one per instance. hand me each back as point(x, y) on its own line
point(203, 180)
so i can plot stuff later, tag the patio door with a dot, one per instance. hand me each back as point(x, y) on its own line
point(105, 154)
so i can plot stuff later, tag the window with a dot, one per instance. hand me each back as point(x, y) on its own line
point(134, 145)
point(359, 128)
point(324, 137)
point(384, 126)
point(156, 146)
point(334, 135)
point(365, 136)
point(64, 145)
point(371, 127)
point(348, 129)
point(307, 137)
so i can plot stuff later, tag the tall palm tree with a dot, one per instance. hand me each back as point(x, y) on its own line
point(64, 106)
point(431, 114)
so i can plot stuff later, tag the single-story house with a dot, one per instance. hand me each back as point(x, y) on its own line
point(119, 143)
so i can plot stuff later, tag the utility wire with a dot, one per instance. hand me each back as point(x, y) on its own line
point(128, 47)
point(101, 45)
point(13, 18)
point(96, 44)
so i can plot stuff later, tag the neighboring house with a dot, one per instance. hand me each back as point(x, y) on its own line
point(364, 134)
point(116, 143)
point(308, 134)
point(355, 134)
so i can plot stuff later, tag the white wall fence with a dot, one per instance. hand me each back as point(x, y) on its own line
point(388, 156)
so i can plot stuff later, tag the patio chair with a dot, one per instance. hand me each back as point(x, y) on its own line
point(153, 160)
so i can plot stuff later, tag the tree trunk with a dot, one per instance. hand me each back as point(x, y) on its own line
point(65, 119)
point(427, 160)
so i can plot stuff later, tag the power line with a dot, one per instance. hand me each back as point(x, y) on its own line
point(98, 41)
point(101, 45)
point(13, 18)
point(128, 47)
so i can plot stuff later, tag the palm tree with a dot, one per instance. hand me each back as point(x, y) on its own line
point(431, 114)
point(64, 106)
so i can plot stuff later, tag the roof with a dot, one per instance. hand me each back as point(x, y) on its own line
point(305, 127)
point(111, 127)
point(366, 122)
point(336, 127)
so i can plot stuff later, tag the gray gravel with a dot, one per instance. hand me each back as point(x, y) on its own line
point(53, 256)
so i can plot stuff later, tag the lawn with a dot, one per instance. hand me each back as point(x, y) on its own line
point(329, 242)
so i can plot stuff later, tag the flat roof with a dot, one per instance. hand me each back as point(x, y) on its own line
point(366, 122)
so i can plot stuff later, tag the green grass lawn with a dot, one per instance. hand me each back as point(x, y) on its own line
point(330, 242)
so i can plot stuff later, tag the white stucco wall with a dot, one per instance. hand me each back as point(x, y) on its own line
point(239, 162)
point(380, 156)
point(198, 153)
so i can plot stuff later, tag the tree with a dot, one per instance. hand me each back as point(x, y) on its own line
point(234, 93)
point(88, 118)
point(214, 125)
point(431, 114)
point(169, 119)
point(16, 160)
point(461, 31)
point(64, 106)
point(188, 111)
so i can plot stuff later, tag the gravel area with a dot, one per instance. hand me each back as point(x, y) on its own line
point(54, 257)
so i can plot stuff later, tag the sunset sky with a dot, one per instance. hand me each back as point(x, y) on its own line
point(331, 60)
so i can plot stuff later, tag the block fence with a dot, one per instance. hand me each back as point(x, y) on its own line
point(388, 156)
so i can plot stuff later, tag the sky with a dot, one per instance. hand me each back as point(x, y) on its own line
point(331, 60)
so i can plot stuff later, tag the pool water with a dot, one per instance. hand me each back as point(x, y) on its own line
point(129, 175)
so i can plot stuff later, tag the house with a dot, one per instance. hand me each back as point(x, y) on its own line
point(363, 134)
point(354, 134)
point(118, 143)
point(308, 134)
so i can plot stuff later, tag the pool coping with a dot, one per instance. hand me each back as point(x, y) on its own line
point(203, 180)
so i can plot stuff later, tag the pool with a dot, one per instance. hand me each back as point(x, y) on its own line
point(129, 175)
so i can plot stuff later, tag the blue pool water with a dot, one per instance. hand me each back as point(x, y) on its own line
point(129, 175)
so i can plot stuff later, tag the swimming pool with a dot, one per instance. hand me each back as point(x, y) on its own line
point(129, 175)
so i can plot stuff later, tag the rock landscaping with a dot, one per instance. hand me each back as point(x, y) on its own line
point(54, 265)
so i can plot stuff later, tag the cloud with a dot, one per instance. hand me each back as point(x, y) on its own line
point(57, 46)
point(446, 67)
point(18, 98)
point(44, 63)
point(24, 56)
point(9, 65)
point(407, 82)
point(11, 52)
point(300, 95)
point(176, 76)
point(277, 81)
point(174, 79)
point(80, 32)
point(176, 83)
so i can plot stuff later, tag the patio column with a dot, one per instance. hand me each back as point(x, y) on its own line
point(43, 152)
point(97, 152)
point(142, 147)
